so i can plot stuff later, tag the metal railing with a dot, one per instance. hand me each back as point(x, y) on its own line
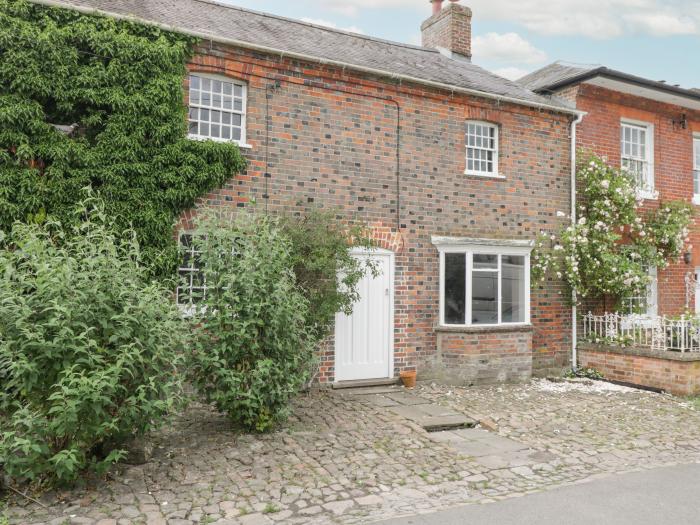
point(681, 334)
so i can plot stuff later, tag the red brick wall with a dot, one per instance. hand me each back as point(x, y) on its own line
point(484, 356)
point(679, 377)
point(673, 163)
point(332, 144)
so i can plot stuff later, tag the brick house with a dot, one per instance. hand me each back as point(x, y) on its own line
point(455, 170)
point(652, 128)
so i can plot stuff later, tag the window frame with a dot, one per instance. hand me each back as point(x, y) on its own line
point(650, 179)
point(190, 308)
point(696, 168)
point(514, 248)
point(651, 297)
point(242, 142)
point(496, 150)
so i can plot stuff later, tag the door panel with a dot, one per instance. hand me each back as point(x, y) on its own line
point(363, 340)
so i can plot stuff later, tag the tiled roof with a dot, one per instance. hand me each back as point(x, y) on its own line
point(553, 75)
point(226, 23)
point(558, 75)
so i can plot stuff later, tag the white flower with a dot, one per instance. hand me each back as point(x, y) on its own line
point(561, 214)
point(605, 183)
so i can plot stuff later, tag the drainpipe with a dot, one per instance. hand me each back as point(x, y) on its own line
point(574, 328)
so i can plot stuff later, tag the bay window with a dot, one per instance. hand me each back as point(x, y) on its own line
point(484, 283)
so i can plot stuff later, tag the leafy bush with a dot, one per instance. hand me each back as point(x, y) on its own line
point(610, 249)
point(253, 350)
point(320, 254)
point(584, 373)
point(89, 348)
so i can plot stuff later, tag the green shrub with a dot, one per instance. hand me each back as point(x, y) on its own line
point(89, 348)
point(320, 253)
point(253, 350)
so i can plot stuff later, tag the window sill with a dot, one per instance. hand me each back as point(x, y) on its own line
point(484, 175)
point(478, 329)
point(239, 144)
point(648, 195)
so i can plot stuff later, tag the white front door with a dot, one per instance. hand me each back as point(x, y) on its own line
point(364, 340)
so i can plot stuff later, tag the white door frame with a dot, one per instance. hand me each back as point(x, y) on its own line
point(390, 328)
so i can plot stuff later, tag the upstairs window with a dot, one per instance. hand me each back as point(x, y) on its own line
point(696, 169)
point(482, 149)
point(217, 108)
point(637, 154)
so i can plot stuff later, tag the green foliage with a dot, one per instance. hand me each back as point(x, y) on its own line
point(89, 347)
point(320, 254)
point(612, 245)
point(253, 351)
point(120, 83)
point(586, 373)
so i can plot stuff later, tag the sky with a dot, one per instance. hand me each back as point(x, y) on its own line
point(654, 39)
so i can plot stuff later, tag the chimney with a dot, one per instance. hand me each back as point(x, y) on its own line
point(449, 29)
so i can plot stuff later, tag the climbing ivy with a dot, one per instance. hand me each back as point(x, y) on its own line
point(115, 89)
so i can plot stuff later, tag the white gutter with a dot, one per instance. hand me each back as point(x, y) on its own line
point(574, 328)
point(310, 58)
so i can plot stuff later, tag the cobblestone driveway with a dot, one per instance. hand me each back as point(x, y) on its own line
point(346, 459)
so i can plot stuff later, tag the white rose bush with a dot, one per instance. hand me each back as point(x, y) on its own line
point(609, 249)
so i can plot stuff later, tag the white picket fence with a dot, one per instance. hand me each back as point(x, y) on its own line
point(681, 334)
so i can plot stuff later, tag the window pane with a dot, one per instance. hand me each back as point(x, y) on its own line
point(484, 297)
point(512, 289)
point(194, 82)
point(485, 261)
point(455, 288)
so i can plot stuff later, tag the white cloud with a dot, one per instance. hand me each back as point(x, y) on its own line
point(663, 24)
point(511, 73)
point(332, 25)
point(506, 47)
point(598, 19)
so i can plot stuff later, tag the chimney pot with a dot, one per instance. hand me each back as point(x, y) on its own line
point(449, 28)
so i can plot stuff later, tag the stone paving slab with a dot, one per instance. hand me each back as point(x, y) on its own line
point(406, 398)
point(342, 459)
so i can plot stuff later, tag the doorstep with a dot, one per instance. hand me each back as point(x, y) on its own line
point(365, 383)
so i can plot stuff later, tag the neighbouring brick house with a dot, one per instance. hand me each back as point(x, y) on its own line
point(455, 170)
point(653, 129)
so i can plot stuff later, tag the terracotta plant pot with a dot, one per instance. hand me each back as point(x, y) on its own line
point(408, 378)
